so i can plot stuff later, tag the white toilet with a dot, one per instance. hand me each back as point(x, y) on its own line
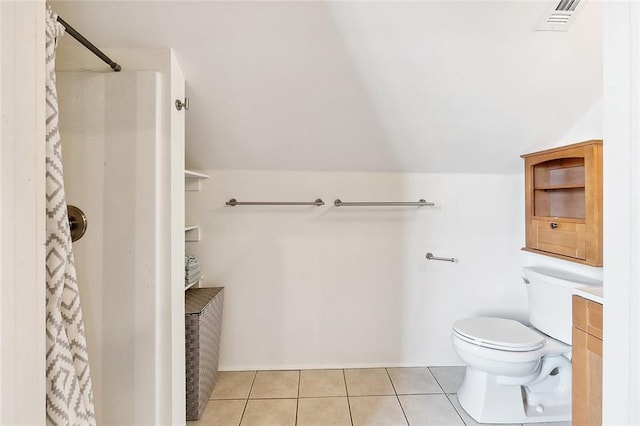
point(520, 374)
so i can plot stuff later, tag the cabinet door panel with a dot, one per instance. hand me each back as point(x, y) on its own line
point(587, 379)
point(587, 316)
point(565, 238)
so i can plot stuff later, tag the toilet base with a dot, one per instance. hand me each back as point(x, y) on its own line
point(487, 400)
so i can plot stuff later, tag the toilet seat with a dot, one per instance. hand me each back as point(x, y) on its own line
point(499, 333)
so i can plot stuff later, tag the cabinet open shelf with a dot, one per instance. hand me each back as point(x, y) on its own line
point(558, 187)
point(192, 180)
point(567, 202)
point(192, 233)
point(188, 286)
point(195, 175)
point(559, 171)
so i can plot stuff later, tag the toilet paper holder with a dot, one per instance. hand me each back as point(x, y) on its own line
point(430, 256)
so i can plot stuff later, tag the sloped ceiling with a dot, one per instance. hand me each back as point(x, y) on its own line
point(433, 86)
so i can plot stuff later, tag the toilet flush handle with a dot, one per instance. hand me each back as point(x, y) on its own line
point(525, 280)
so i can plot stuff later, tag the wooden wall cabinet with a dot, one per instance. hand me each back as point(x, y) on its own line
point(563, 204)
point(586, 365)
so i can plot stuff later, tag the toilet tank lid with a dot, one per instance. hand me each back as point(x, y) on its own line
point(559, 277)
point(499, 332)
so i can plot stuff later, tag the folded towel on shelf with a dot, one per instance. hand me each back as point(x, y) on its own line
point(190, 261)
point(192, 275)
point(192, 267)
point(192, 280)
point(192, 271)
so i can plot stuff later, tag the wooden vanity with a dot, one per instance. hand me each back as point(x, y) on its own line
point(587, 362)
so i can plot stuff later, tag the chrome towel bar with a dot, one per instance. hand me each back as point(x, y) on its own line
point(233, 202)
point(419, 203)
point(430, 256)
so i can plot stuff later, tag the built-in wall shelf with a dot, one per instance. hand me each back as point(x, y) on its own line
point(197, 283)
point(192, 180)
point(563, 203)
point(554, 187)
point(192, 233)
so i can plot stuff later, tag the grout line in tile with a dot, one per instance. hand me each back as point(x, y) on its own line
point(346, 389)
point(448, 395)
point(346, 385)
point(421, 393)
point(273, 397)
point(397, 397)
point(246, 401)
point(255, 373)
point(386, 370)
point(324, 396)
point(367, 396)
point(244, 409)
point(437, 381)
point(298, 397)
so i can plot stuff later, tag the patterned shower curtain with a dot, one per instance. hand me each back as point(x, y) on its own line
point(69, 391)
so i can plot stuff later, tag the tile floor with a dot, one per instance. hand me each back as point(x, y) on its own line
point(356, 397)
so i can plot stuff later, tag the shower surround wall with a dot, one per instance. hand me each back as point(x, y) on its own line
point(315, 287)
point(110, 162)
point(123, 147)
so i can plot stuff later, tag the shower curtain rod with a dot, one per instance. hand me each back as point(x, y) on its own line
point(86, 43)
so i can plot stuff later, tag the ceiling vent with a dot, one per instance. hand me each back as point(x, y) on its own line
point(560, 16)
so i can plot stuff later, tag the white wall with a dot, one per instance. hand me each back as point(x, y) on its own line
point(589, 126)
point(282, 266)
point(309, 287)
point(621, 343)
point(22, 219)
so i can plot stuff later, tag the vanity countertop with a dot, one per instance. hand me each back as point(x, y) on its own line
point(590, 293)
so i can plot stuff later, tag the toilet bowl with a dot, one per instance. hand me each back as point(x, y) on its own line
point(503, 371)
point(517, 373)
point(516, 354)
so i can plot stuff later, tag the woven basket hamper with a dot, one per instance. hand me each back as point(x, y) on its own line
point(203, 322)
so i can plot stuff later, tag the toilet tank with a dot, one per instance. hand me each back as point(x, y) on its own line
point(549, 292)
